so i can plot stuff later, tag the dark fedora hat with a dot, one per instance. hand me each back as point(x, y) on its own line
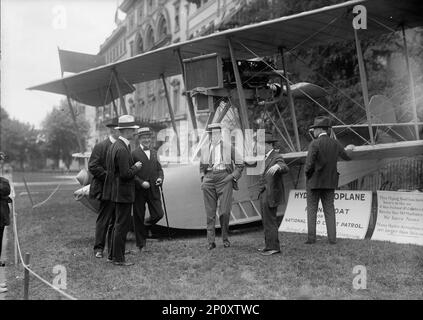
point(269, 137)
point(111, 123)
point(321, 122)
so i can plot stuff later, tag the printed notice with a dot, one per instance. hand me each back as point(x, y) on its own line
point(352, 212)
point(399, 217)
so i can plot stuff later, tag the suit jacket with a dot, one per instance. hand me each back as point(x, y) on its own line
point(151, 170)
point(119, 185)
point(273, 184)
point(4, 202)
point(97, 167)
point(235, 168)
point(321, 169)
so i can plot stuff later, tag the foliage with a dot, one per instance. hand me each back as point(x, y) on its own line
point(20, 142)
point(61, 135)
point(334, 67)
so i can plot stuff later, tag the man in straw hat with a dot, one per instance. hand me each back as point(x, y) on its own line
point(322, 177)
point(272, 194)
point(219, 176)
point(119, 187)
point(97, 167)
point(147, 183)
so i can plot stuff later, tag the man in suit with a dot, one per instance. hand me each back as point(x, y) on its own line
point(119, 187)
point(147, 183)
point(97, 167)
point(219, 175)
point(322, 177)
point(272, 194)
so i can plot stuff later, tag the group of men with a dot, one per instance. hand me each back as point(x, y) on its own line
point(125, 180)
point(220, 177)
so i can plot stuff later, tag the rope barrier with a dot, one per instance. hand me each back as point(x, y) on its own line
point(19, 251)
point(48, 198)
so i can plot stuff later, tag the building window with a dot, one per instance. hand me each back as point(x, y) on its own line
point(177, 22)
point(162, 27)
point(140, 45)
point(150, 39)
point(150, 5)
point(131, 48)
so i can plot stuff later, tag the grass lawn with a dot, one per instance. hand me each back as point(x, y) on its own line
point(62, 232)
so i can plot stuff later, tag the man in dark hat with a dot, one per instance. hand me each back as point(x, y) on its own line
point(272, 194)
point(147, 182)
point(119, 187)
point(97, 167)
point(219, 175)
point(322, 177)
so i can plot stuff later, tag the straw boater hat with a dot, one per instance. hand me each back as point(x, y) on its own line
point(144, 131)
point(321, 122)
point(126, 122)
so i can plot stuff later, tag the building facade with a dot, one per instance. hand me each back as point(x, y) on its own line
point(148, 25)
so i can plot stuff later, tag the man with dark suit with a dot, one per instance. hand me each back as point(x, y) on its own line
point(322, 177)
point(97, 167)
point(272, 194)
point(147, 183)
point(219, 175)
point(119, 187)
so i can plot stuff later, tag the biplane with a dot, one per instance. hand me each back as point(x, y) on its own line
point(231, 66)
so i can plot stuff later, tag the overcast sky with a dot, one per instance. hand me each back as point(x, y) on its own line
point(31, 31)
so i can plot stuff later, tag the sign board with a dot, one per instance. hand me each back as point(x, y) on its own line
point(352, 209)
point(399, 217)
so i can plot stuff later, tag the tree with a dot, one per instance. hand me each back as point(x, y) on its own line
point(61, 135)
point(19, 142)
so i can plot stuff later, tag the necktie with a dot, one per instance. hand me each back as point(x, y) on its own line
point(146, 148)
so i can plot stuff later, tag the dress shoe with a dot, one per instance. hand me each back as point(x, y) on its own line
point(99, 254)
point(262, 249)
point(123, 263)
point(270, 252)
point(3, 290)
point(109, 260)
point(310, 242)
point(2, 264)
point(131, 252)
point(211, 246)
point(226, 244)
point(3, 285)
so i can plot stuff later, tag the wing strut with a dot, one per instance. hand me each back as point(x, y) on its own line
point(364, 87)
point(290, 101)
point(188, 95)
point(241, 96)
point(122, 100)
point(410, 75)
point(172, 115)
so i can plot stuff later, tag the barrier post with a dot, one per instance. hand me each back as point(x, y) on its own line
point(26, 277)
point(15, 237)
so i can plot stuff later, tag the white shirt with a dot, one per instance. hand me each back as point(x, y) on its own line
point(124, 140)
point(218, 163)
point(112, 140)
point(147, 152)
point(268, 153)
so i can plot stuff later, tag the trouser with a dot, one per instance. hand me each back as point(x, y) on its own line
point(104, 225)
point(270, 223)
point(215, 189)
point(328, 197)
point(1, 238)
point(122, 223)
point(142, 198)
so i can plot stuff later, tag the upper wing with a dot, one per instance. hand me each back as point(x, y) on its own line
point(307, 29)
